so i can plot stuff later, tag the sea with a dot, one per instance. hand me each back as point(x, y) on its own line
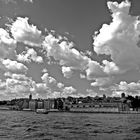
point(22, 125)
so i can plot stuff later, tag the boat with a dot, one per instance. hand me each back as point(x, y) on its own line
point(42, 111)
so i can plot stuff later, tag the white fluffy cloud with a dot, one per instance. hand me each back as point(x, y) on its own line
point(15, 1)
point(103, 81)
point(65, 53)
point(82, 76)
point(48, 79)
point(13, 66)
point(31, 1)
point(71, 59)
point(123, 86)
point(30, 54)
point(96, 70)
point(60, 85)
point(67, 72)
point(17, 86)
point(69, 91)
point(132, 88)
point(22, 31)
point(7, 44)
point(21, 77)
point(120, 38)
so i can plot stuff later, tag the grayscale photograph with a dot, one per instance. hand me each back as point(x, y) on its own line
point(69, 69)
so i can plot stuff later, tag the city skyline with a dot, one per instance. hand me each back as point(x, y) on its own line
point(69, 48)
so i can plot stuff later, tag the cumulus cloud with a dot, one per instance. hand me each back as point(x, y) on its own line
point(95, 69)
point(2, 85)
point(48, 79)
point(128, 88)
point(16, 76)
point(41, 88)
point(15, 1)
point(102, 81)
point(17, 86)
point(132, 88)
point(23, 32)
point(120, 38)
point(8, 1)
point(69, 91)
point(64, 52)
point(50, 88)
point(71, 59)
point(44, 70)
point(60, 85)
point(31, 1)
point(7, 44)
point(30, 54)
point(13, 66)
point(91, 93)
point(82, 76)
point(67, 72)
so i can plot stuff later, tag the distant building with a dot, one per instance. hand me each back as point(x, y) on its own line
point(25, 104)
point(40, 104)
point(30, 97)
point(33, 105)
point(46, 104)
point(123, 95)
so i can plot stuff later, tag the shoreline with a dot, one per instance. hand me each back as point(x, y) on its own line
point(97, 112)
point(76, 111)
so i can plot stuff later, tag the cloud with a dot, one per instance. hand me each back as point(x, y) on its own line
point(95, 69)
point(71, 59)
point(17, 86)
point(44, 70)
point(31, 1)
point(23, 32)
point(132, 88)
point(103, 81)
point(41, 88)
point(110, 67)
point(64, 52)
point(8, 1)
point(60, 85)
point(48, 79)
point(91, 93)
point(27, 56)
point(13, 66)
point(82, 76)
point(69, 91)
point(2, 85)
point(120, 38)
point(67, 72)
point(7, 44)
point(15, 1)
point(20, 77)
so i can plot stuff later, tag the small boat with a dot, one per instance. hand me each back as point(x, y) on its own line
point(42, 111)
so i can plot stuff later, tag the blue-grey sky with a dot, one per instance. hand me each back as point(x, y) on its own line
point(77, 20)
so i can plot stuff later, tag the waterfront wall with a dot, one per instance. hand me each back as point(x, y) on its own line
point(94, 109)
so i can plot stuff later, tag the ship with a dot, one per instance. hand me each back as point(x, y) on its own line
point(42, 111)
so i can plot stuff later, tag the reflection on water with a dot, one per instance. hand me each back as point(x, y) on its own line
point(68, 126)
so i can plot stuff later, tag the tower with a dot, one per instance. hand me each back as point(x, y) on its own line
point(30, 96)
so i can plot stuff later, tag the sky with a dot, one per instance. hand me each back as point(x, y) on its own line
point(69, 48)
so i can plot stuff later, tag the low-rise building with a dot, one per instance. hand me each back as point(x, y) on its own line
point(33, 105)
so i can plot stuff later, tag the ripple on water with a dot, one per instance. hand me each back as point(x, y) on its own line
point(59, 126)
point(136, 130)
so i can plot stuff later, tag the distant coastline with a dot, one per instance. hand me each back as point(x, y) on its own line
point(6, 108)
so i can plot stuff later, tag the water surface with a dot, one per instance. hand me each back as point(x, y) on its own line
point(16, 125)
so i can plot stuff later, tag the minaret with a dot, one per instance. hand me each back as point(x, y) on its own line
point(30, 96)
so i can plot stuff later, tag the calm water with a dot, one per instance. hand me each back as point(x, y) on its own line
point(69, 126)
